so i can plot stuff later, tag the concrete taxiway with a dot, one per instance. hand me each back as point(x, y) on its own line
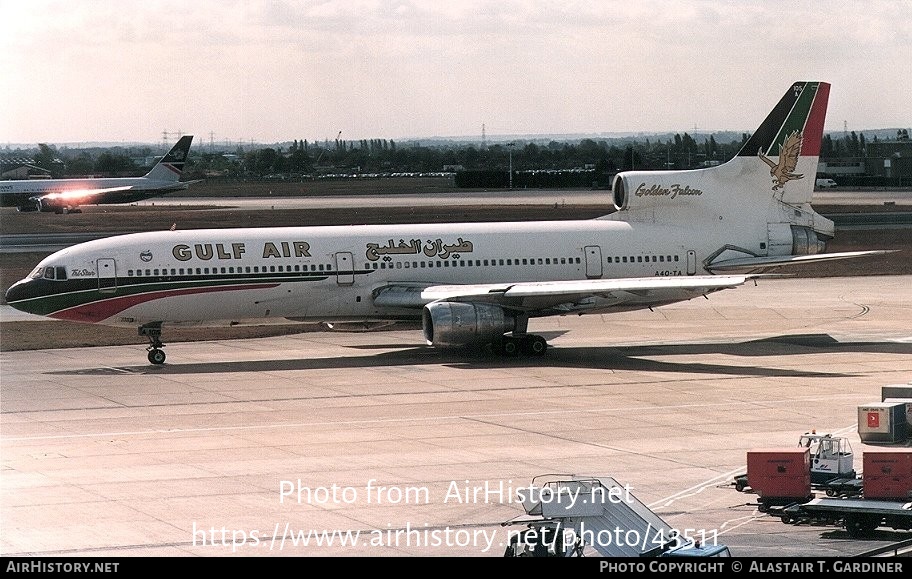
point(242, 447)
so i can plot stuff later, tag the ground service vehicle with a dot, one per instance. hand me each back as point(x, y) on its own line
point(830, 464)
point(885, 498)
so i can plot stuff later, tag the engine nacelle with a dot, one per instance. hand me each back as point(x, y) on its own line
point(642, 189)
point(451, 324)
point(29, 207)
point(44, 205)
point(806, 241)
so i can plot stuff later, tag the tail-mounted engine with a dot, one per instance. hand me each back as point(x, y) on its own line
point(450, 324)
point(644, 189)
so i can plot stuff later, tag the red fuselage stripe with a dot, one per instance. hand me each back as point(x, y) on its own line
point(95, 312)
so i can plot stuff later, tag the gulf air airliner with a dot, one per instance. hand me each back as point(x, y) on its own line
point(675, 235)
point(66, 195)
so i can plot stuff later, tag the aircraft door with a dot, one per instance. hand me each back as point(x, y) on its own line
point(345, 269)
point(691, 262)
point(106, 270)
point(593, 261)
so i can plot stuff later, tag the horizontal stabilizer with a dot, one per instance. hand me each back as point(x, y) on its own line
point(749, 264)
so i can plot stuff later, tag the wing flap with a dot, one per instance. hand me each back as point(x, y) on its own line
point(569, 295)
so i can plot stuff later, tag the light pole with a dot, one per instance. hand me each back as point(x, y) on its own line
point(510, 146)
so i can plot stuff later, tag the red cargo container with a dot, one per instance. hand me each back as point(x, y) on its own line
point(780, 474)
point(887, 474)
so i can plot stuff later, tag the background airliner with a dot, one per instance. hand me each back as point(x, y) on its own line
point(673, 234)
point(66, 195)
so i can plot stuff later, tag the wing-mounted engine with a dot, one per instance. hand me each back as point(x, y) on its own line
point(29, 206)
point(452, 324)
point(47, 204)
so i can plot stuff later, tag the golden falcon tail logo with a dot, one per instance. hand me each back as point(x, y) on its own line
point(782, 172)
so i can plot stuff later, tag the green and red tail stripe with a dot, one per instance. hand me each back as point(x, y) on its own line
point(801, 109)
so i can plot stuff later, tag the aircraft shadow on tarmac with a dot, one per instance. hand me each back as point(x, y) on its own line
point(630, 358)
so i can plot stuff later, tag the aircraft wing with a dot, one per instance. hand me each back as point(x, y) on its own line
point(557, 296)
point(74, 197)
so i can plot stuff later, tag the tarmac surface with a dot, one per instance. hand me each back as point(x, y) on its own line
point(241, 447)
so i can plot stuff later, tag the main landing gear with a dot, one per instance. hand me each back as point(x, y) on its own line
point(153, 332)
point(524, 343)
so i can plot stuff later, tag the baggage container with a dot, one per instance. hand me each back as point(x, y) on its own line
point(895, 391)
point(887, 474)
point(779, 475)
point(882, 422)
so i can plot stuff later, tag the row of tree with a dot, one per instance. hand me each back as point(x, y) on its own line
point(301, 157)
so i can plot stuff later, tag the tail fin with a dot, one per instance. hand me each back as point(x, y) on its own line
point(171, 166)
point(793, 132)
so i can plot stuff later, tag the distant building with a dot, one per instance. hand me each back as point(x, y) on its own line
point(890, 159)
point(842, 166)
point(21, 169)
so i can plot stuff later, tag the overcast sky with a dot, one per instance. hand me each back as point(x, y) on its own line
point(126, 70)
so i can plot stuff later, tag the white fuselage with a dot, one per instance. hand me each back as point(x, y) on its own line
point(330, 273)
point(47, 186)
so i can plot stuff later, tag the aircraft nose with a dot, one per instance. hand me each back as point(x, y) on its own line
point(16, 293)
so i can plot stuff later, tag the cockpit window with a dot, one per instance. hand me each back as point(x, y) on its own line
point(57, 273)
